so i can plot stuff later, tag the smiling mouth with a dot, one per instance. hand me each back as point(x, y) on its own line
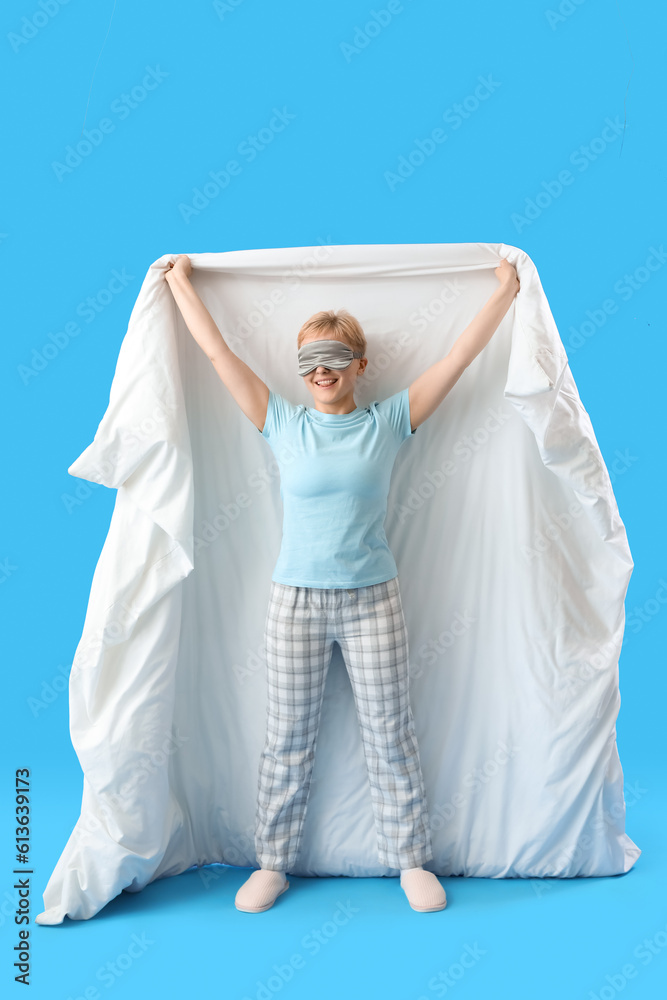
point(326, 382)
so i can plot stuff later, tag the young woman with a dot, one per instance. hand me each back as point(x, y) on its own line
point(336, 579)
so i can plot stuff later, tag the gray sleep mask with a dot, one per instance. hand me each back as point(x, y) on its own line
point(328, 353)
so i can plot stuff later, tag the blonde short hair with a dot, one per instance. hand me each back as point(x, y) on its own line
point(337, 326)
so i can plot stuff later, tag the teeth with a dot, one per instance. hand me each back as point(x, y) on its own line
point(327, 381)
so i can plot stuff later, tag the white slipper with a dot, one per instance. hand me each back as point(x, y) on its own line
point(424, 892)
point(260, 891)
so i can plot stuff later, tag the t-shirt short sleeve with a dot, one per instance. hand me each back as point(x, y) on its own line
point(278, 412)
point(396, 410)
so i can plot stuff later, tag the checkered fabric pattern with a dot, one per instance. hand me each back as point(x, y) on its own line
point(301, 626)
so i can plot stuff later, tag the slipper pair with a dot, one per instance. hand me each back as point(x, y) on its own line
point(260, 891)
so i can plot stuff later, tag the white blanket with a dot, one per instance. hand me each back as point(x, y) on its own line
point(513, 565)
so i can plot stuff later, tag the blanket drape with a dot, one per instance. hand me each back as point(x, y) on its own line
point(513, 565)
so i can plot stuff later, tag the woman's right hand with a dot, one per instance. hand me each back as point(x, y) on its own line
point(181, 265)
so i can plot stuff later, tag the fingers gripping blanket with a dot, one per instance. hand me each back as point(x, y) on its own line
point(513, 565)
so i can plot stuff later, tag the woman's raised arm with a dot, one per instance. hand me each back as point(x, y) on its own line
point(247, 388)
point(430, 388)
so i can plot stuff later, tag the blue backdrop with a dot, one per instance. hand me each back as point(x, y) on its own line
point(142, 129)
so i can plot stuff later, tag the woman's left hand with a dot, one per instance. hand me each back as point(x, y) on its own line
point(507, 276)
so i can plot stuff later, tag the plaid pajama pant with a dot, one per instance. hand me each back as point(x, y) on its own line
point(301, 626)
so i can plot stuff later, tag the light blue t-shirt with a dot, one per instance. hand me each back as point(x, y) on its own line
point(335, 471)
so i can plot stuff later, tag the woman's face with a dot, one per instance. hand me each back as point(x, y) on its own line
point(342, 380)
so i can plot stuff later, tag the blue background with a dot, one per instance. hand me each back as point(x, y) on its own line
point(219, 71)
